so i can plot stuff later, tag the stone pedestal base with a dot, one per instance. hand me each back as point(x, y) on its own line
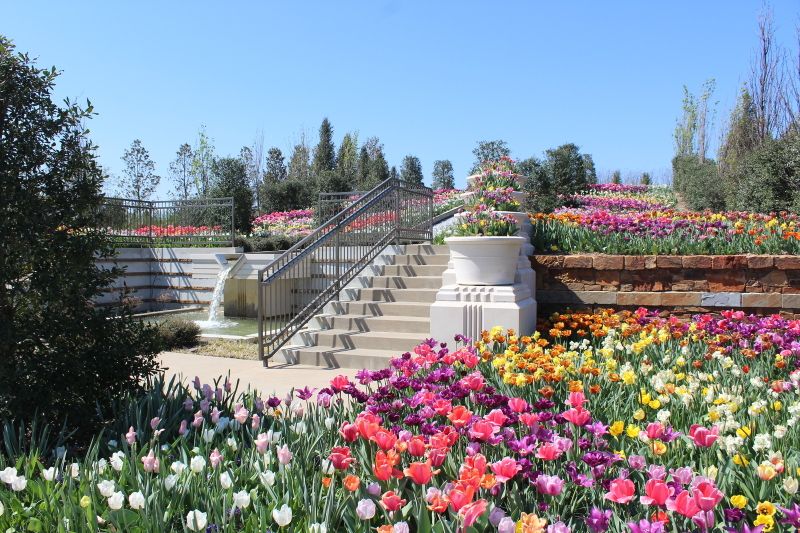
point(471, 309)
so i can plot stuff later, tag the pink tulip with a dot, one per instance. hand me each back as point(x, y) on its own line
point(548, 452)
point(684, 504)
point(482, 430)
point(284, 455)
point(549, 485)
point(130, 436)
point(215, 415)
point(707, 496)
point(703, 436)
point(621, 491)
point(655, 430)
point(154, 422)
point(240, 414)
point(150, 462)
point(198, 419)
point(505, 469)
point(578, 416)
point(496, 416)
point(262, 442)
point(656, 492)
point(216, 458)
point(576, 399)
point(518, 405)
point(182, 430)
point(255, 423)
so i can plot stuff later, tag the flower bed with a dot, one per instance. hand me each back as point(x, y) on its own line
point(668, 232)
point(608, 422)
point(291, 224)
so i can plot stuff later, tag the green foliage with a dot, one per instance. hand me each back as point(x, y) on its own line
point(299, 165)
point(325, 151)
point(645, 179)
point(540, 193)
point(230, 179)
point(347, 159)
point(489, 151)
point(566, 169)
point(616, 177)
point(698, 182)
point(287, 195)
point(686, 128)
point(202, 162)
point(769, 178)
point(332, 181)
point(443, 175)
point(61, 355)
point(591, 171)
point(138, 180)
point(178, 333)
point(372, 166)
point(411, 170)
point(270, 243)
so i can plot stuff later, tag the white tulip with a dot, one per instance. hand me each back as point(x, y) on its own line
point(197, 464)
point(101, 466)
point(116, 500)
point(330, 422)
point(177, 467)
point(106, 487)
point(241, 499)
point(19, 483)
point(8, 475)
point(136, 500)
point(318, 528)
point(790, 485)
point(74, 470)
point(170, 481)
point(2, 509)
point(231, 442)
point(267, 478)
point(117, 460)
point(196, 521)
point(282, 516)
point(225, 480)
point(327, 467)
point(208, 435)
point(49, 474)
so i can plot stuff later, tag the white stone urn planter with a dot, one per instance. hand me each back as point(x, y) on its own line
point(483, 260)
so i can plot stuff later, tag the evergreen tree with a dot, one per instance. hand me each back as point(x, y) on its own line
point(325, 151)
point(443, 175)
point(645, 179)
point(230, 179)
point(347, 159)
point(591, 172)
point(181, 171)
point(364, 164)
point(741, 139)
point(379, 168)
point(393, 174)
point(489, 151)
point(61, 357)
point(139, 180)
point(299, 166)
point(616, 177)
point(565, 167)
point(411, 170)
point(275, 170)
point(251, 159)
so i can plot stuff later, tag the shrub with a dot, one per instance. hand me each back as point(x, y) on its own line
point(178, 333)
point(698, 182)
point(60, 355)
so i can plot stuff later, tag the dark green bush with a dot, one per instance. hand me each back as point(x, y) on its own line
point(272, 243)
point(178, 333)
point(698, 182)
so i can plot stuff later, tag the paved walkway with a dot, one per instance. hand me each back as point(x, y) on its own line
point(277, 379)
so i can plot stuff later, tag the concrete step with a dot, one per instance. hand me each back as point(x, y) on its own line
point(410, 270)
point(407, 309)
point(314, 355)
point(363, 340)
point(398, 324)
point(417, 259)
point(402, 282)
point(392, 295)
point(424, 249)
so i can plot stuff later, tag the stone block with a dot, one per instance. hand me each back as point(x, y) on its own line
point(787, 262)
point(696, 261)
point(757, 262)
point(726, 281)
point(791, 301)
point(547, 261)
point(680, 299)
point(721, 299)
point(578, 261)
point(669, 261)
point(767, 299)
point(607, 277)
point(773, 279)
point(609, 262)
point(634, 262)
point(596, 297)
point(646, 299)
point(649, 262)
point(728, 262)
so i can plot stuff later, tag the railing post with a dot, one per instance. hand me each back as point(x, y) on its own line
point(260, 308)
point(396, 195)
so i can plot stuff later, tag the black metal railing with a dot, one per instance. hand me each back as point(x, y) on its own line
point(142, 223)
point(330, 203)
point(298, 284)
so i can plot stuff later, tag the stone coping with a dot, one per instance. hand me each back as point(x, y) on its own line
point(673, 262)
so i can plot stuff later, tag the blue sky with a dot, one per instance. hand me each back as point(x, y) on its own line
point(429, 78)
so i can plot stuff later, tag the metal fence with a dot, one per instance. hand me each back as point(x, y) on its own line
point(296, 286)
point(330, 203)
point(191, 223)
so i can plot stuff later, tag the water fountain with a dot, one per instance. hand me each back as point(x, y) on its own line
point(216, 298)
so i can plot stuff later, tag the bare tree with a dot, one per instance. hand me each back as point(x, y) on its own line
point(256, 167)
point(766, 81)
point(791, 93)
point(704, 125)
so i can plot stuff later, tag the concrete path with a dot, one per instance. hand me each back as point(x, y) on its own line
point(277, 379)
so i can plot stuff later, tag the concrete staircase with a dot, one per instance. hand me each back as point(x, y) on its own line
point(384, 312)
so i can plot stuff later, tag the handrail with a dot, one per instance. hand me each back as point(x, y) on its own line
point(298, 283)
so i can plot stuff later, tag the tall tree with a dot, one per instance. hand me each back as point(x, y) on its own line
point(347, 159)
point(591, 171)
point(489, 151)
point(299, 165)
point(379, 168)
point(411, 170)
point(325, 151)
point(686, 128)
point(230, 179)
point(364, 163)
point(443, 175)
point(253, 158)
point(139, 180)
point(645, 179)
point(275, 169)
point(703, 122)
point(393, 173)
point(181, 172)
point(202, 162)
point(372, 165)
point(741, 139)
point(566, 169)
point(616, 177)
point(61, 356)
point(766, 82)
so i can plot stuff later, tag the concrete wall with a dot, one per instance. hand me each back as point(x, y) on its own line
point(164, 278)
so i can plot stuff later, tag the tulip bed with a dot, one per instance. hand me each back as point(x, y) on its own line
point(605, 422)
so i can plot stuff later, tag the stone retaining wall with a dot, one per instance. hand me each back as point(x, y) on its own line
point(693, 283)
